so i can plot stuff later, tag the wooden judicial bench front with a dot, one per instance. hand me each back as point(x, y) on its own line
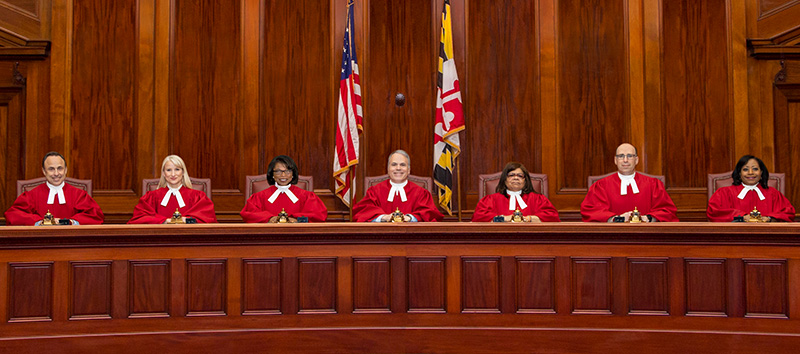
point(446, 287)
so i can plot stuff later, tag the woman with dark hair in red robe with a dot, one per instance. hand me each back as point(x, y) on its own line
point(749, 191)
point(515, 192)
point(283, 195)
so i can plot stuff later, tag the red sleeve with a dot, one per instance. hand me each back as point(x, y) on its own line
point(87, 211)
point(20, 213)
point(596, 206)
point(541, 207)
point(145, 210)
point(485, 210)
point(369, 207)
point(781, 208)
point(253, 211)
point(313, 207)
point(662, 207)
point(720, 208)
point(200, 207)
point(424, 207)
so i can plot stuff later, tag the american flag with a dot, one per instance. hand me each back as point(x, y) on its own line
point(348, 124)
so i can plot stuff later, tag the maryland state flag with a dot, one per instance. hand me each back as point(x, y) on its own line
point(348, 124)
point(449, 116)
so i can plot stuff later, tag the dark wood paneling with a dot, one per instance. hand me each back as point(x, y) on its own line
point(480, 284)
point(205, 91)
point(372, 285)
point(103, 98)
point(90, 295)
point(426, 285)
point(149, 288)
point(767, 7)
point(593, 98)
point(261, 286)
point(706, 287)
point(696, 91)
point(786, 105)
point(30, 291)
point(317, 285)
point(591, 285)
point(502, 105)
point(766, 288)
point(12, 114)
point(647, 286)
point(206, 287)
point(536, 285)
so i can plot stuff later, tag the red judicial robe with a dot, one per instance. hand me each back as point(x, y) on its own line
point(497, 204)
point(725, 204)
point(604, 201)
point(259, 209)
point(30, 207)
point(196, 205)
point(418, 203)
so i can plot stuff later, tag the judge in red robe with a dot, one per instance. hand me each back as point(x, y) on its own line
point(619, 194)
point(62, 200)
point(749, 190)
point(515, 192)
point(283, 195)
point(383, 199)
point(174, 193)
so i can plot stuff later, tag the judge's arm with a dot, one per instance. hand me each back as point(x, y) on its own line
point(596, 206)
point(663, 209)
point(202, 209)
point(253, 212)
point(21, 212)
point(145, 212)
point(87, 211)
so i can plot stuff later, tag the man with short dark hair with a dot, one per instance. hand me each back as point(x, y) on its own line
point(67, 204)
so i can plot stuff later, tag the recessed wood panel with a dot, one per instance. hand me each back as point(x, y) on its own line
point(372, 287)
point(90, 295)
point(261, 286)
point(205, 90)
point(206, 287)
point(786, 106)
point(648, 292)
point(12, 115)
point(767, 7)
point(317, 285)
point(536, 287)
point(591, 285)
point(103, 93)
point(30, 291)
point(706, 287)
point(426, 285)
point(765, 288)
point(696, 91)
point(480, 284)
point(593, 98)
point(149, 288)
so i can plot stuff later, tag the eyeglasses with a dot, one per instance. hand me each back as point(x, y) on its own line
point(629, 156)
point(520, 175)
point(281, 172)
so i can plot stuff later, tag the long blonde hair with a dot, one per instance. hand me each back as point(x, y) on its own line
point(178, 162)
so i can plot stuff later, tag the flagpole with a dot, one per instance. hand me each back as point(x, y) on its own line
point(458, 200)
point(350, 190)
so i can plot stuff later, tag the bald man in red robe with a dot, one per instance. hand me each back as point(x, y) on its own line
point(619, 194)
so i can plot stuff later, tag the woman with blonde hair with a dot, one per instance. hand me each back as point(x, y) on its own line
point(174, 193)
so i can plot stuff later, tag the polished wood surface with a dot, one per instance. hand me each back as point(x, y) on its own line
point(477, 287)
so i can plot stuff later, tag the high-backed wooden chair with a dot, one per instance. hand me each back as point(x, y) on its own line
point(424, 182)
point(719, 180)
point(259, 183)
point(487, 183)
point(201, 184)
point(28, 184)
point(590, 181)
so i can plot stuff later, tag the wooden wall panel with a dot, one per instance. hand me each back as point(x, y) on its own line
point(30, 292)
point(372, 285)
point(12, 115)
point(536, 288)
point(149, 288)
point(426, 285)
point(90, 295)
point(261, 286)
point(594, 114)
point(766, 288)
point(317, 285)
point(591, 285)
point(647, 286)
point(697, 101)
point(205, 110)
point(785, 95)
point(706, 287)
point(206, 287)
point(480, 285)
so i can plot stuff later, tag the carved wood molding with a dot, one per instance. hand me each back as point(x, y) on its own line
point(782, 46)
point(13, 46)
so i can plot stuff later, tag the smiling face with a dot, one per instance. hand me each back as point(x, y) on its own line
point(626, 159)
point(515, 180)
point(55, 170)
point(398, 168)
point(751, 173)
point(173, 174)
point(282, 174)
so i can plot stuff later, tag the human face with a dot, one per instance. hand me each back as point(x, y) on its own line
point(751, 173)
point(282, 174)
point(515, 180)
point(626, 164)
point(398, 168)
point(55, 170)
point(173, 174)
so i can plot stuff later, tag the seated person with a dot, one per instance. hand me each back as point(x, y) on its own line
point(749, 190)
point(283, 194)
point(158, 206)
point(515, 192)
point(63, 201)
point(383, 199)
point(618, 194)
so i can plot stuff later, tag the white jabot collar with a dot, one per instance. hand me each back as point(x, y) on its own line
point(747, 188)
point(398, 188)
point(514, 198)
point(284, 190)
point(56, 191)
point(177, 193)
point(627, 181)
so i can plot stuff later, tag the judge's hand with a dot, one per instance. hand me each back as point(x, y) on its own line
point(386, 218)
point(273, 219)
point(763, 218)
point(531, 218)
